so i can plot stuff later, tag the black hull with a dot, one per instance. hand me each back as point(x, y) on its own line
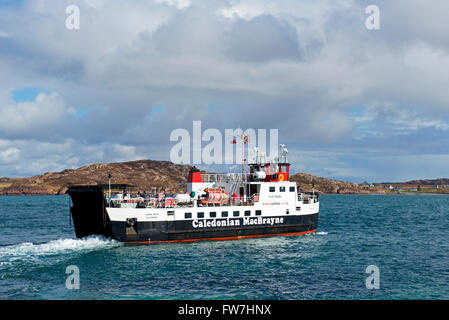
point(183, 231)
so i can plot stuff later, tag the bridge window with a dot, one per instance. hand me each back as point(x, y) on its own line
point(236, 213)
point(272, 189)
point(213, 214)
point(282, 189)
point(200, 215)
point(292, 189)
point(247, 213)
point(188, 215)
point(258, 212)
point(224, 214)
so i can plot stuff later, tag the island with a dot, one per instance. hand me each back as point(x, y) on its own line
point(152, 175)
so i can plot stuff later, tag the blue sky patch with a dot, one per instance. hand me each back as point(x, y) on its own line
point(356, 111)
point(215, 108)
point(154, 111)
point(83, 112)
point(11, 3)
point(157, 110)
point(27, 94)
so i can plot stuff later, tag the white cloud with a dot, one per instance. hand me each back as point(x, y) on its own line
point(9, 155)
point(29, 157)
point(387, 120)
point(180, 4)
point(19, 118)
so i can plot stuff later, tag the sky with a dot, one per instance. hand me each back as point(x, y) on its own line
point(349, 102)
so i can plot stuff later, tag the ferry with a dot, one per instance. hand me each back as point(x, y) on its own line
point(260, 203)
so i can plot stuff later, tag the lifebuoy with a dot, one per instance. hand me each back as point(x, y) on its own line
point(281, 177)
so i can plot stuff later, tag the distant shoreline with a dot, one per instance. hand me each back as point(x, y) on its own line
point(165, 176)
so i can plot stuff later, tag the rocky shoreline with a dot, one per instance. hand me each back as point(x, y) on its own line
point(329, 186)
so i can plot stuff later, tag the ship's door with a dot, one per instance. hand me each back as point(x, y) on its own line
point(171, 226)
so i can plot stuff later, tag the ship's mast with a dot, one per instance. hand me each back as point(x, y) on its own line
point(245, 139)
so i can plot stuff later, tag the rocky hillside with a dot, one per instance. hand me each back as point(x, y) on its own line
point(145, 174)
point(322, 185)
point(428, 182)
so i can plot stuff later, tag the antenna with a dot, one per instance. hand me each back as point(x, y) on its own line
point(256, 151)
point(284, 153)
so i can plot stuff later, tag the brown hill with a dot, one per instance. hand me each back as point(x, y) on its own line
point(145, 174)
point(322, 185)
point(426, 182)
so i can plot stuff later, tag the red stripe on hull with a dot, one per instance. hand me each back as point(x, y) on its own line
point(228, 238)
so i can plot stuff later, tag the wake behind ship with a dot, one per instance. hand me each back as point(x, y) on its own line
point(215, 207)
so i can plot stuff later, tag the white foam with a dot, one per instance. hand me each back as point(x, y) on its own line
point(55, 247)
point(321, 233)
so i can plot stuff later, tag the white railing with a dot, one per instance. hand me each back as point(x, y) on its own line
point(224, 178)
point(307, 198)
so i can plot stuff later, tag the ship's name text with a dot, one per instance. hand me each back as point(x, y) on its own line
point(247, 221)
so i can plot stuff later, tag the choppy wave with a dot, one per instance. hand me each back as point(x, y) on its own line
point(55, 247)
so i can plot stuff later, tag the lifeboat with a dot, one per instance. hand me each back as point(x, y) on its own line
point(216, 196)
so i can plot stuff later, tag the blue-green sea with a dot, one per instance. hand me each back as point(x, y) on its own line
point(405, 236)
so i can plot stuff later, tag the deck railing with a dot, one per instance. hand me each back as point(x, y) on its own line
point(224, 177)
point(307, 197)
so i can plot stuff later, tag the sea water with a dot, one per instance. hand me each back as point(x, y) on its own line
point(405, 236)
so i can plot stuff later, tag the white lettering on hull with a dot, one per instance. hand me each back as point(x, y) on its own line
point(247, 221)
